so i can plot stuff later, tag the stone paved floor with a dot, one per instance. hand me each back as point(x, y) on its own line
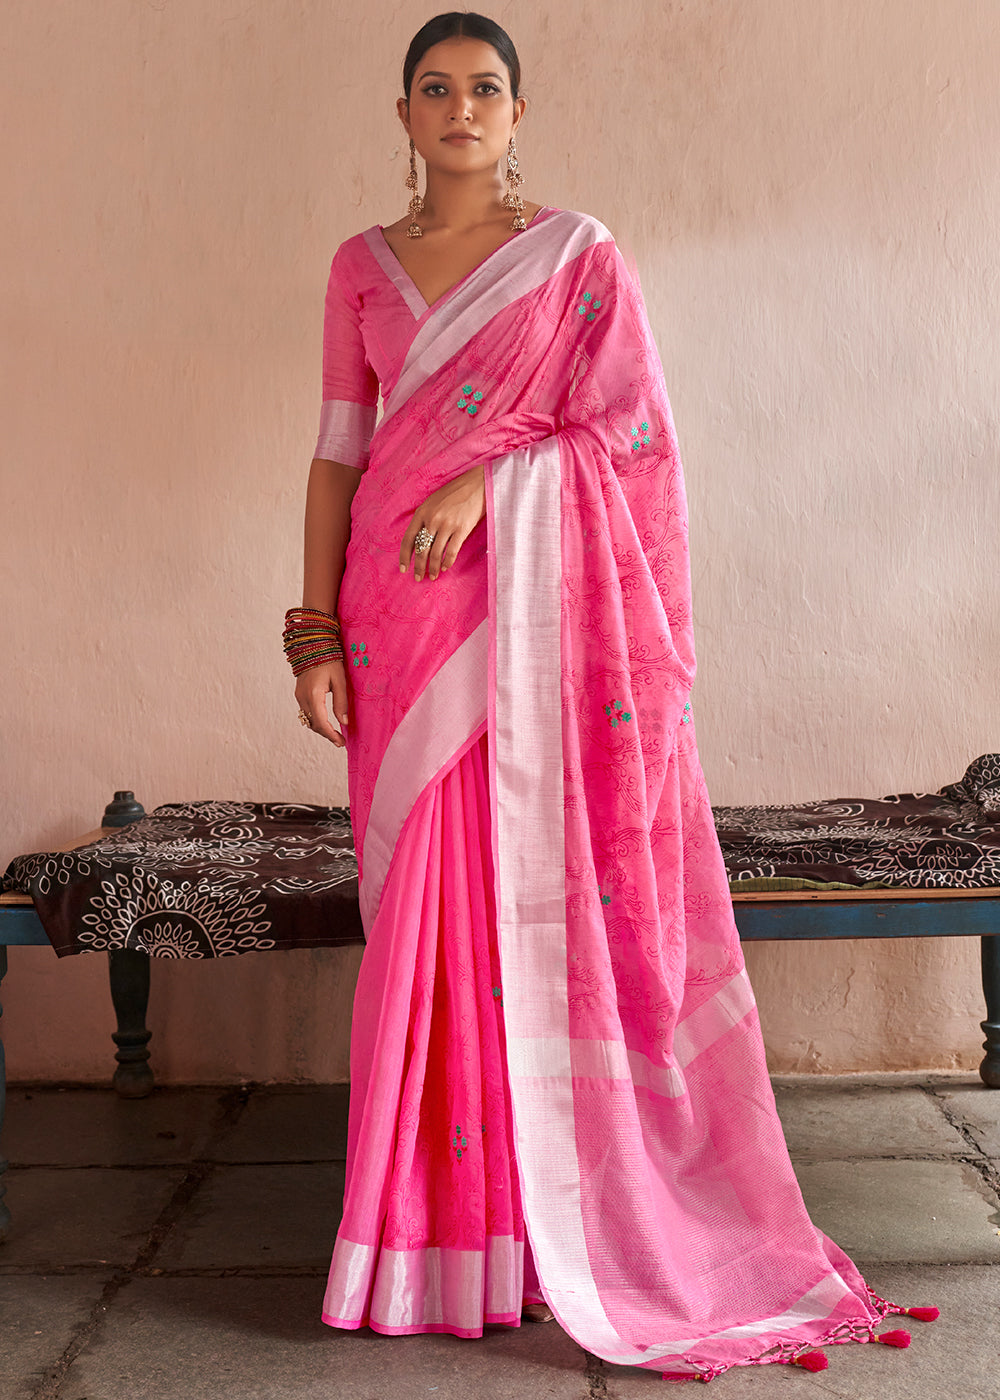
point(175, 1249)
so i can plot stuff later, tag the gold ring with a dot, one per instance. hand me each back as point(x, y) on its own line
point(423, 541)
point(304, 719)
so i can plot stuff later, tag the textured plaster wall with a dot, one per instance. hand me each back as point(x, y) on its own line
point(811, 194)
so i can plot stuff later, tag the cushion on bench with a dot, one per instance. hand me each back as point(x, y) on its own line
point(943, 840)
point(202, 880)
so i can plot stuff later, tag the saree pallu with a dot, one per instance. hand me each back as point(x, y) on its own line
point(556, 1059)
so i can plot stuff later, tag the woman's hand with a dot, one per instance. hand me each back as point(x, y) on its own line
point(311, 689)
point(450, 514)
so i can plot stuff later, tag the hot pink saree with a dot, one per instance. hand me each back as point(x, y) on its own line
point(554, 1043)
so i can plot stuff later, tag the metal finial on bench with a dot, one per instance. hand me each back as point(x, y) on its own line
point(123, 810)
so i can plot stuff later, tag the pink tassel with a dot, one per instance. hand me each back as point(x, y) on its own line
point(894, 1339)
point(922, 1314)
point(811, 1361)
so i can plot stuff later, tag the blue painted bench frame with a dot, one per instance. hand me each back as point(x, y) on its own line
point(796, 915)
point(811, 914)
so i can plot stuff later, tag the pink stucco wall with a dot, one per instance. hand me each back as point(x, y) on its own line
point(811, 193)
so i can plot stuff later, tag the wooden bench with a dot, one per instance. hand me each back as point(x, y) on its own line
point(774, 915)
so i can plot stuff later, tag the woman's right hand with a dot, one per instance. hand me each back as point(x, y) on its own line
point(311, 689)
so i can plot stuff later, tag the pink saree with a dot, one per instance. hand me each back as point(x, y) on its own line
point(556, 1063)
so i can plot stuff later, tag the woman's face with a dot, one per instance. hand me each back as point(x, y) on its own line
point(461, 113)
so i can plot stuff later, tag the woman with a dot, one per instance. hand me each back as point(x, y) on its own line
point(558, 1089)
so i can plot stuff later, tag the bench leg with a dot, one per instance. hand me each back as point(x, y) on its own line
point(4, 1212)
point(989, 1070)
point(129, 975)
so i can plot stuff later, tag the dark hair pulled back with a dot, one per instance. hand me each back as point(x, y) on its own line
point(459, 24)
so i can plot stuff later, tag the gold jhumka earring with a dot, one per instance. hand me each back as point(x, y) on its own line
point(416, 203)
point(512, 199)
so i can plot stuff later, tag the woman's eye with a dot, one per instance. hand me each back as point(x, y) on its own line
point(435, 89)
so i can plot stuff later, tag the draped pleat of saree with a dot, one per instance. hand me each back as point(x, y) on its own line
point(556, 1062)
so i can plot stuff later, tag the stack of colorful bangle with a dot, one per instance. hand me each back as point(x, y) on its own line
point(310, 638)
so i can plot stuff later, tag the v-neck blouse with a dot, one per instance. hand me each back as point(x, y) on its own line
point(373, 309)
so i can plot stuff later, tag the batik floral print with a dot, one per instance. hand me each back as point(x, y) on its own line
point(202, 880)
point(944, 840)
point(175, 918)
point(46, 873)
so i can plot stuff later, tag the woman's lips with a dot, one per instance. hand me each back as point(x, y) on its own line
point(457, 140)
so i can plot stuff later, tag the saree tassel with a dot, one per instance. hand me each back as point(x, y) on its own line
point(810, 1361)
point(921, 1314)
point(893, 1339)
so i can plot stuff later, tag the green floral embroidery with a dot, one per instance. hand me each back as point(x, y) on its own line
point(459, 1143)
point(470, 400)
point(617, 713)
point(359, 654)
point(605, 898)
point(498, 995)
point(589, 307)
point(686, 716)
point(640, 436)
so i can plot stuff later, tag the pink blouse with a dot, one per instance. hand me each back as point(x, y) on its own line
point(373, 309)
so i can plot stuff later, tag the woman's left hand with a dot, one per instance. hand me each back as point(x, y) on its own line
point(450, 514)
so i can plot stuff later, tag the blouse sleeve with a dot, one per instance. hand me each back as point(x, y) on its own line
point(350, 385)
